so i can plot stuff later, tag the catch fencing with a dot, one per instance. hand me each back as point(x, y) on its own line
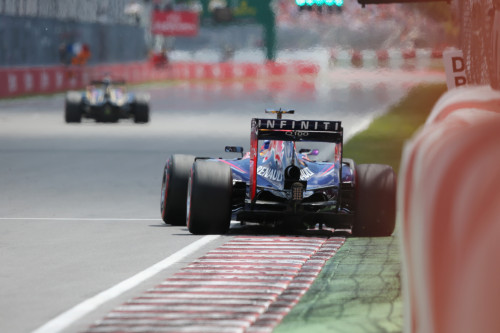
point(37, 41)
point(35, 32)
point(476, 25)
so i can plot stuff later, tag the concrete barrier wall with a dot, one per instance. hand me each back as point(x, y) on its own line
point(449, 206)
point(40, 80)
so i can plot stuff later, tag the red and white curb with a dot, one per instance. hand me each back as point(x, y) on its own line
point(246, 285)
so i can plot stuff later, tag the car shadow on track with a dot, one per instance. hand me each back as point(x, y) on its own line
point(249, 229)
point(238, 229)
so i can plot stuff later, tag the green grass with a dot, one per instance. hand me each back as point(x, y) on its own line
point(382, 142)
point(357, 291)
point(359, 288)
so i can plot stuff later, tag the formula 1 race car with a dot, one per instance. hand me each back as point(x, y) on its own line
point(279, 184)
point(106, 101)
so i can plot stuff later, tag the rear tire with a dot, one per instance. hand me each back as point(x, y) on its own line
point(73, 107)
point(174, 189)
point(209, 198)
point(375, 200)
point(141, 110)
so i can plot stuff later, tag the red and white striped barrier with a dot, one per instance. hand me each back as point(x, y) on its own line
point(41, 80)
point(471, 98)
point(400, 58)
point(449, 205)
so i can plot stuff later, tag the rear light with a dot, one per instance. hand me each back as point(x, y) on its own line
point(297, 191)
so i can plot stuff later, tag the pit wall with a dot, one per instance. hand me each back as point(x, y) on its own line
point(449, 206)
point(18, 81)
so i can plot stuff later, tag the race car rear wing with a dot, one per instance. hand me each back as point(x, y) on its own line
point(297, 130)
point(290, 130)
point(102, 82)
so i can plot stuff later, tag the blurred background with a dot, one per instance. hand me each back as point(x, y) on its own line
point(230, 59)
point(40, 32)
point(209, 66)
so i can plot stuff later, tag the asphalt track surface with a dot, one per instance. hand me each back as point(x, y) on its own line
point(79, 204)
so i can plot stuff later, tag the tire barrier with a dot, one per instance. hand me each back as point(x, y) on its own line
point(449, 208)
point(43, 80)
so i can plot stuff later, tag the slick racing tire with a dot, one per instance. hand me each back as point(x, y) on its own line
point(141, 109)
point(73, 107)
point(174, 189)
point(209, 198)
point(375, 207)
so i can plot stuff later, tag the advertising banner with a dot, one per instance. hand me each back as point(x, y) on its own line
point(175, 23)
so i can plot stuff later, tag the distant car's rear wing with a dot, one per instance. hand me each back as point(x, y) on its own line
point(289, 130)
point(102, 82)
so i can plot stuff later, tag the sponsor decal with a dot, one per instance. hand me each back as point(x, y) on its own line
point(199, 71)
point(28, 82)
point(44, 81)
point(12, 79)
point(269, 173)
point(277, 175)
point(306, 173)
point(216, 71)
point(297, 133)
point(59, 79)
point(298, 125)
point(85, 78)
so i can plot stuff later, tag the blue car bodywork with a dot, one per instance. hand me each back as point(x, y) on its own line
point(280, 184)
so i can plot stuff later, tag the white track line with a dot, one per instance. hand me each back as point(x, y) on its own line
point(77, 312)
